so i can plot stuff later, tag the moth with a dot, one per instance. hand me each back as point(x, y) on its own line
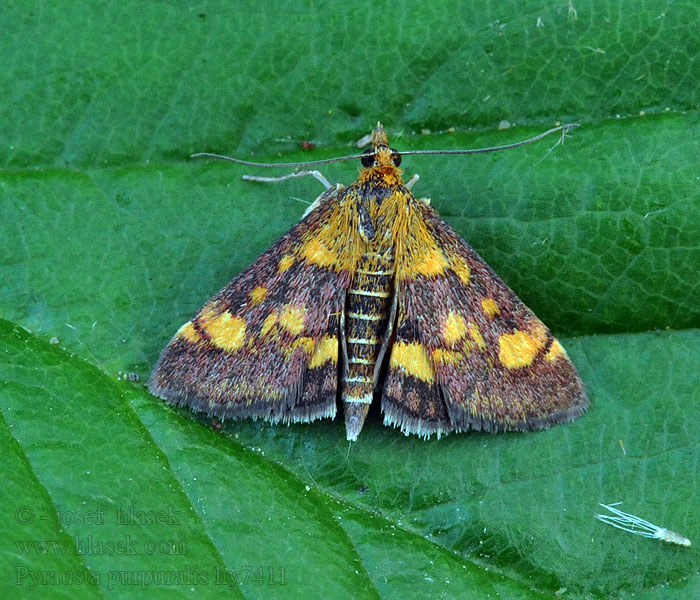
point(372, 295)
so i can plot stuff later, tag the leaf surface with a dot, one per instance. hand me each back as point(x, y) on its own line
point(111, 237)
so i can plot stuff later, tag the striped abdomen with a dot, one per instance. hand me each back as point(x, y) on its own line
point(367, 309)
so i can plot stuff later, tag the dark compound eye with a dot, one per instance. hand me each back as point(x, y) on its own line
point(368, 160)
point(395, 157)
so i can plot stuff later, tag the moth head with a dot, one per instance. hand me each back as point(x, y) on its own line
point(380, 155)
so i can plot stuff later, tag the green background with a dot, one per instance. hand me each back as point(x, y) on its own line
point(111, 237)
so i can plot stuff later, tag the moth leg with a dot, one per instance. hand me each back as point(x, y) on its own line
point(409, 184)
point(315, 174)
point(411, 180)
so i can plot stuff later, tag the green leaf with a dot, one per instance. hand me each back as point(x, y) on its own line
point(111, 238)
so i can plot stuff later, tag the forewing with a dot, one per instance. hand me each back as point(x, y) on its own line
point(480, 357)
point(266, 346)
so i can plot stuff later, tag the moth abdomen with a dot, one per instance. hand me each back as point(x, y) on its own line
point(367, 307)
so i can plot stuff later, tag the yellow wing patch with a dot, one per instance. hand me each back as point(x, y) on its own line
point(416, 249)
point(490, 307)
point(454, 328)
point(332, 244)
point(475, 334)
point(327, 349)
point(305, 343)
point(292, 318)
point(429, 263)
point(285, 262)
point(268, 324)
point(461, 269)
point(555, 351)
point(258, 295)
point(413, 359)
point(225, 330)
point(189, 333)
point(316, 253)
point(447, 357)
point(519, 349)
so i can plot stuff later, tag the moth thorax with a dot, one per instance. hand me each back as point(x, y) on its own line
point(367, 307)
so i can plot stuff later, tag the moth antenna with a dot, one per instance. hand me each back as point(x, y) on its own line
point(292, 165)
point(288, 165)
point(562, 128)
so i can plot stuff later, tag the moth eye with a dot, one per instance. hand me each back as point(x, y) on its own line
point(368, 160)
point(396, 159)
